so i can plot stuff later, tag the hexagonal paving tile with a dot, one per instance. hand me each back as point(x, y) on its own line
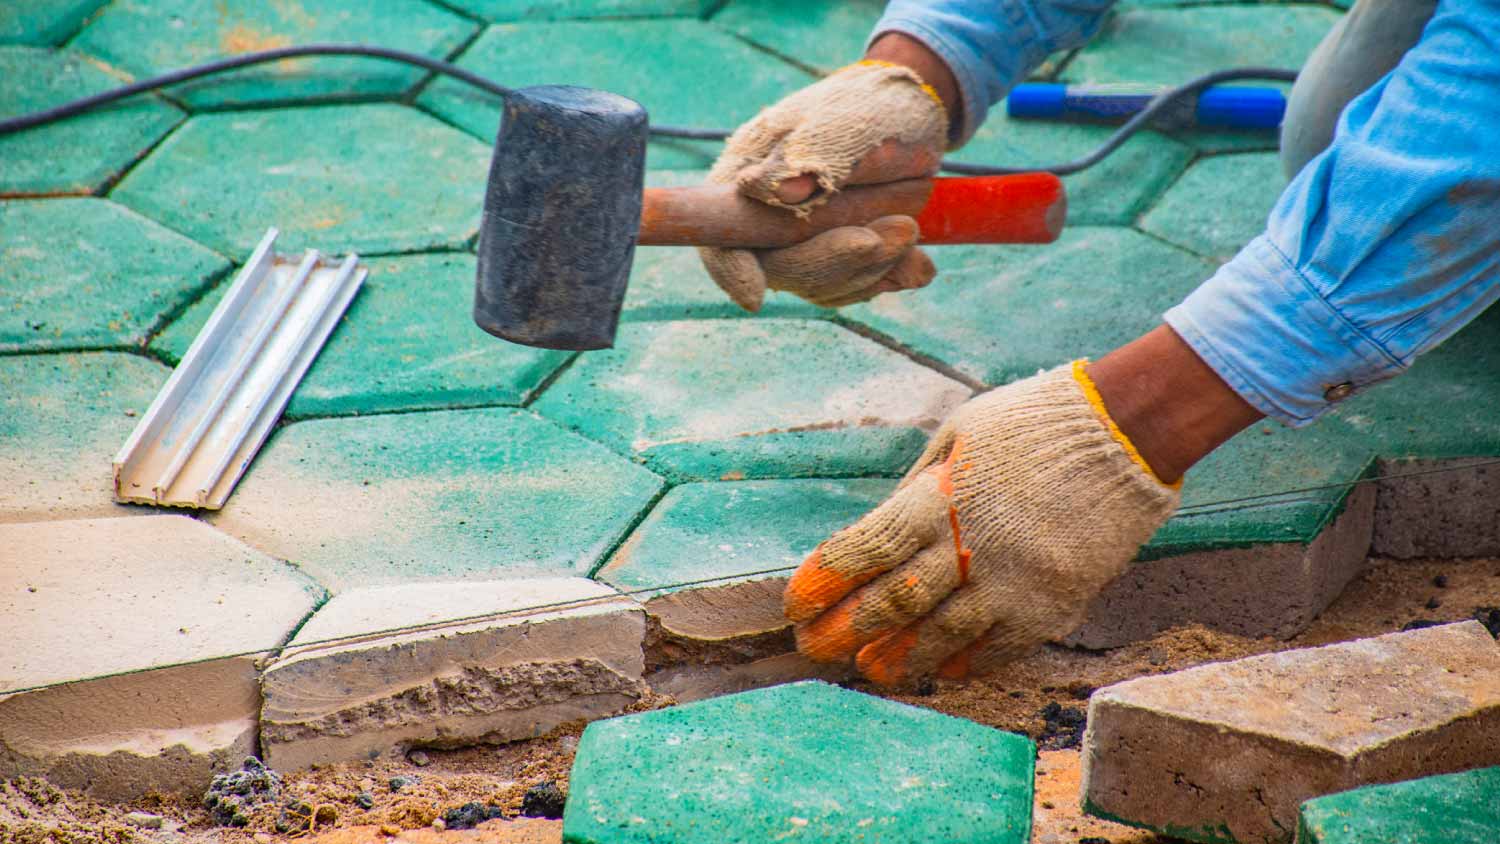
point(515, 10)
point(761, 398)
point(43, 23)
point(62, 419)
point(85, 152)
point(148, 38)
point(224, 179)
point(407, 342)
point(1219, 204)
point(824, 34)
point(800, 761)
point(451, 495)
point(663, 64)
point(999, 313)
point(79, 273)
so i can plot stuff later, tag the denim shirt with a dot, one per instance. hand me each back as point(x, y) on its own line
point(1383, 245)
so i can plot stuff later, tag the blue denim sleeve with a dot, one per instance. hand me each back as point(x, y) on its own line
point(990, 45)
point(1382, 247)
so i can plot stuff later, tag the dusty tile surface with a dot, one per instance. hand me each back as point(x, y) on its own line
point(823, 34)
point(44, 22)
point(1219, 204)
point(1447, 809)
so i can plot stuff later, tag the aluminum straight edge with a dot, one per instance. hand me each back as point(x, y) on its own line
point(221, 402)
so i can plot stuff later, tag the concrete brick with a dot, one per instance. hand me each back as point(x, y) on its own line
point(1448, 809)
point(307, 171)
point(133, 35)
point(44, 23)
point(1219, 204)
point(803, 761)
point(513, 675)
point(689, 682)
point(519, 10)
point(1273, 589)
point(822, 34)
point(84, 153)
point(740, 399)
point(1453, 512)
point(79, 273)
point(144, 619)
point(663, 64)
point(1227, 751)
point(407, 342)
point(62, 418)
point(441, 496)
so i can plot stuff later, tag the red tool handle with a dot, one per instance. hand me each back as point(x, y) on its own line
point(1022, 208)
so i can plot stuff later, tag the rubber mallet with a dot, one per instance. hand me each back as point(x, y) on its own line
point(564, 210)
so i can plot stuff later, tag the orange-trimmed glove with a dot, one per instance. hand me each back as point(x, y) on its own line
point(1026, 503)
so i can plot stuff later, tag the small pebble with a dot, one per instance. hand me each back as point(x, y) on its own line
point(1433, 603)
point(419, 758)
point(925, 687)
point(1094, 839)
point(364, 800)
point(437, 824)
point(1441, 581)
point(144, 820)
point(544, 800)
point(398, 783)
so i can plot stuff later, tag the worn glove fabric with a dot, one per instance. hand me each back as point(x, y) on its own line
point(1026, 503)
point(828, 130)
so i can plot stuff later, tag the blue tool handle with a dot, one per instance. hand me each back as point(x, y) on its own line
point(1223, 106)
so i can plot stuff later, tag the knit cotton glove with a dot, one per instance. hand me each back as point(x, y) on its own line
point(1026, 503)
point(871, 122)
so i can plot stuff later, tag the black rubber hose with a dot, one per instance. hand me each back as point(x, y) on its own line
point(81, 105)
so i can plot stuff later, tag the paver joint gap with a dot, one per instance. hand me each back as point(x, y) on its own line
point(938, 366)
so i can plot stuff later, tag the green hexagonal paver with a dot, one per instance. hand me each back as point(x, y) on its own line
point(725, 529)
point(1450, 809)
point(43, 23)
point(515, 10)
point(407, 342)
point(1171, 46)
point(800, 762)
point(999, 313)
point(760, 398)
point(683, 71)
point(369, 179)
point(83, 153)
point(62, 419)
point(80, 273)
point(148, 37)
point(824, 34)
point(1219, 204)
point(450, 495)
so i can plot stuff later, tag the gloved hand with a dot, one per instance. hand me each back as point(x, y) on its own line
point(1026, 503)
point(869, 123)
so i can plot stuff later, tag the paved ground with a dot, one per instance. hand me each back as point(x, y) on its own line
point(419, 448)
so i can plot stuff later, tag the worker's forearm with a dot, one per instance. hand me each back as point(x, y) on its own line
point(1168, 402)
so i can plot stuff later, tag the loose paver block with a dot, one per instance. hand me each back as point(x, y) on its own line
point(307, 171)
point(1449, 809)
point(150, 37)
point(76, 273)
point(823, 34)
point(441, 496)
point(515, 10)
point(407, 342)
point(82, 153)
point(1219, 204)
point(115, 608)
point(804, 761)
point(524, 668)
point(1445, 508)
point(662, 64)
point(43, 23)
point(738, 399)
point(1227, 751)
point(724, 530)
point(62, 419)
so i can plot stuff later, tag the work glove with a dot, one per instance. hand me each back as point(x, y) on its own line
point(870, 123)
point(1025, 504)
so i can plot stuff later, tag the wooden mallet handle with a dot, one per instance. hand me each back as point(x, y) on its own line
point(1024, 208)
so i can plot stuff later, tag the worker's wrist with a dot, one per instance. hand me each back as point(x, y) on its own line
point(1170, 404)
point(902, 49)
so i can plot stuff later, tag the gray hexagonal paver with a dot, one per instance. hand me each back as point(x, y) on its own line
point(451, 495)
point(80, 273)
point(369, 178)
point(666, 65)
point(753, 399)
point(149, 37)
point(81, 154)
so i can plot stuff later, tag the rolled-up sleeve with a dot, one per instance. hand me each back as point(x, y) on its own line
point(1382, 247)
point(990, 45)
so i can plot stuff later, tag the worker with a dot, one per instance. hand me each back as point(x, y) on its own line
point(1031, 497)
